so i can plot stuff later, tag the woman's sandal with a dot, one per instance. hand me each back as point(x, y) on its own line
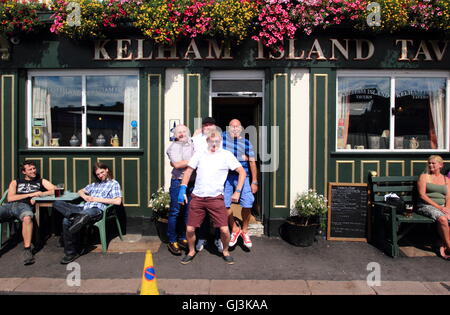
point(443, 252)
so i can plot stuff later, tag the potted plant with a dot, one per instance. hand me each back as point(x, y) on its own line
point(304, 220)
point(160, 203)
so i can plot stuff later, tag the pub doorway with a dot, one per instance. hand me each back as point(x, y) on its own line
point(235, 98)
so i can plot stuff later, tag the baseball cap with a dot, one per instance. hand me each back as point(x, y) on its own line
point(208, 120)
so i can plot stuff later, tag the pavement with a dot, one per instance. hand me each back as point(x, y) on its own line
point(271, 267)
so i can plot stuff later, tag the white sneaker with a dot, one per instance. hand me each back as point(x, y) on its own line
point(219, 245)
point(246, 238)
point(200, 245)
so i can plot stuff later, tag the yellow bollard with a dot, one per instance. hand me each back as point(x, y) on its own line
point(148, 285)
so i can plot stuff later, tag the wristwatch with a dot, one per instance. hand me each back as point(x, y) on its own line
point(238, 190)
point(255, 183)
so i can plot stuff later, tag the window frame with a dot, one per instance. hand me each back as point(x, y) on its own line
point(83, 74)
point(392, 75)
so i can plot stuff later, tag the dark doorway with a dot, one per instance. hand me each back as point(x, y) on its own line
point(249, 112)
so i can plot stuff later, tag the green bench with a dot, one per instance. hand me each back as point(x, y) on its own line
point(388, 224)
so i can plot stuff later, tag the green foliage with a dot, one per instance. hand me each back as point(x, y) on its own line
point(160, 203)
point(308, 204)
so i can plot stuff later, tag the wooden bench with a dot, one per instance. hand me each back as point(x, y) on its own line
point(389, 224)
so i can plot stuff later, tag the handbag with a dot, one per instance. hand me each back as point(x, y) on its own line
point(397, 201)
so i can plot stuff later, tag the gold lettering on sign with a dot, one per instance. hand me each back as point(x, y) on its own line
point(404, 49)
point(214, 47)
point(100, 50)
point(423, 50)
point(359, 47)
point(336, 44)
point(123, 50)
point(192, 49)
point(140, 52)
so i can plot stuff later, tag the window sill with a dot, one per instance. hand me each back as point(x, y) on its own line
point(388, 152)
point(106, 150)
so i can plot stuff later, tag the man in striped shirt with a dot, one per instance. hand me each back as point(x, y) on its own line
point(242, 149)
point(97, 196)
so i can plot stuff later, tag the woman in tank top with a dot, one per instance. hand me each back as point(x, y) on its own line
point(434, 192)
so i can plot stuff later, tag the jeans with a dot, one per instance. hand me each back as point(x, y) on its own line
point(72, 241)
point(15, 210)
point(178, 214)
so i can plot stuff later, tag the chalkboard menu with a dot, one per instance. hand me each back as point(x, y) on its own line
point(347, 212)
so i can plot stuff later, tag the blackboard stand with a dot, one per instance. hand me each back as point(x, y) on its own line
point(348, 207)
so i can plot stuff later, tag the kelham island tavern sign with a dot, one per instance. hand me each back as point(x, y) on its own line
point(346, 49)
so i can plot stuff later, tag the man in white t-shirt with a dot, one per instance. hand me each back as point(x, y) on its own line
point(200, 145)
point(212, 169)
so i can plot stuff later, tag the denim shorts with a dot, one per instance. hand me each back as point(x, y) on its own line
point(246, 200)
point(15, 210)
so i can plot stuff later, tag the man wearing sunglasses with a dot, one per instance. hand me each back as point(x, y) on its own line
point(212, 169)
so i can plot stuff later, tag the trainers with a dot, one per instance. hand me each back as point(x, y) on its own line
point(228, 259)
point(186, 259)
point(246, 238)
point(200, 245)
point(234, 238)
point(69, 258)
point(174, 249)
point(219, 245)
point(28, 257)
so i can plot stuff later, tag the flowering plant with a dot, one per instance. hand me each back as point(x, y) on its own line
point(309, 204)
point(165, 21)
point(96, 18)
point(160, 203)
point(20, 17)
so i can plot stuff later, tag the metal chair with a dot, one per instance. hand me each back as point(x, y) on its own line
point(108, 213)
point(8, 224)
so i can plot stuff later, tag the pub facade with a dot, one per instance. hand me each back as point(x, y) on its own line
point(328, 107)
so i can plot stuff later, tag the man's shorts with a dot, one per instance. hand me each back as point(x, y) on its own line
point(15, 210)
point(246, 200)
point(213, 205)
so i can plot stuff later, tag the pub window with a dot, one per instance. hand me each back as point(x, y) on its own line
point(83, 109)
point(392, 112)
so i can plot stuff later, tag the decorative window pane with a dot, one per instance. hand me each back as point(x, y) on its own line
point(56, 110)
point(112, 110)
point(420, 113)
point(363, 113)
point(84, 109)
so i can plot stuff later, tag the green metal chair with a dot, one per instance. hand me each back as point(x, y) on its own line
point(8, 224)
point(109, 213)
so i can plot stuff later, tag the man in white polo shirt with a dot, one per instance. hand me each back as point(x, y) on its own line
point(212, 170)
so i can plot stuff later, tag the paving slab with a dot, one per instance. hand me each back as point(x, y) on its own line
point(10, 284)
point(109, 286)
point(45, 285)
point(411, 251)
point(440, 288)
point(339, 288)
point(131, 244)
point(259, 287)
point(402, 288)
point(184, 287)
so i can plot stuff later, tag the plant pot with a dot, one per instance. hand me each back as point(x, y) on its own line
point(300, 235)
point(161, 228)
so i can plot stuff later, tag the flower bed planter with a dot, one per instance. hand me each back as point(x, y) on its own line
point(161, 228)
point(299, 234)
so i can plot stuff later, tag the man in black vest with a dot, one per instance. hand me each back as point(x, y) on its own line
point(19, 205)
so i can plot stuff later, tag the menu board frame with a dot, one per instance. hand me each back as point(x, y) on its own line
point(330, 202)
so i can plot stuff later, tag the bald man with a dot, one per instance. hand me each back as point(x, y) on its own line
point(242, 149)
